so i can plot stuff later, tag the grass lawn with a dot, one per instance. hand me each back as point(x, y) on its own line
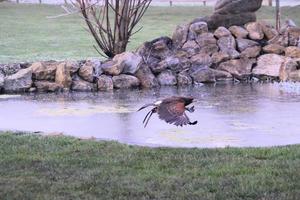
point(39, 167)
point(26, 34)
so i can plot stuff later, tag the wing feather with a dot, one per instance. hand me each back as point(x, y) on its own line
point(173, 113)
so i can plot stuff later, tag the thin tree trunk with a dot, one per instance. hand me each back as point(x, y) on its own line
point(278, 15)
point(122, 36)
point(270, 2)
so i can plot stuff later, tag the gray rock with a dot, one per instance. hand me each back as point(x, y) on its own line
point(268, 65)
point(293, 52)
point(146, 77)
point(96, 64)
point(201, 60)
point(228, 45)
point(222, 32)
point(207, 43)
point(203, 75)
point(130, 62)
point(44, 70)
point(105, 83)
point(269, 31)
point(10, 69)
point(184, 79)
point(125, 81)
point(167, 78)
point(280, 39)
point(46, 86)
point(273, 48)
point(238, 31)
point(171, 62)
point(219, 57)
point(80, 85)
point(1, 80)
point(86, 72)
point(251, 52)
point(255, 30)
point(289, 70)
point(239, 68)
point(159, 48)
point(18, 82)
point(222, 76)
point(180, 35)
point(293, 36)
point(243, 44)
point(197, 29)
point(72, 66)
point(112, 68)
point(191, 47)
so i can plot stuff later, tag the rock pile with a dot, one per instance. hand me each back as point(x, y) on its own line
point(255, 51)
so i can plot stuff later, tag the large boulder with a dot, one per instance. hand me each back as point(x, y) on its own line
point(19, 82)
point(268, 65)
point(105, 83)
point(167, 78)
point(44, 70)
point(146, 77)
point(237, 6)
point(125, 81)
point(228, 13)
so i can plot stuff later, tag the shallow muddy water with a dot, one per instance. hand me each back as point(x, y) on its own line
point(228, 115)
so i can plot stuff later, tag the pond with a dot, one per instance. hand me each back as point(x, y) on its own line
point(237, 115)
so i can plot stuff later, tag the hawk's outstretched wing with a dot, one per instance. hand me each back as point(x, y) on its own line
point(173, 113)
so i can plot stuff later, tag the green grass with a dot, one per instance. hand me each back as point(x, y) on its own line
point(39, 167)
point(27, 35)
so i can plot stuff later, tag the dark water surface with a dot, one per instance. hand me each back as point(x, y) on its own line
point(228, 115)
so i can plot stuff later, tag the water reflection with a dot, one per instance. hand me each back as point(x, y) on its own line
point(228, 115)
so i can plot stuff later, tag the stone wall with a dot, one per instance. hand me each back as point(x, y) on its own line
point(253, 52)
